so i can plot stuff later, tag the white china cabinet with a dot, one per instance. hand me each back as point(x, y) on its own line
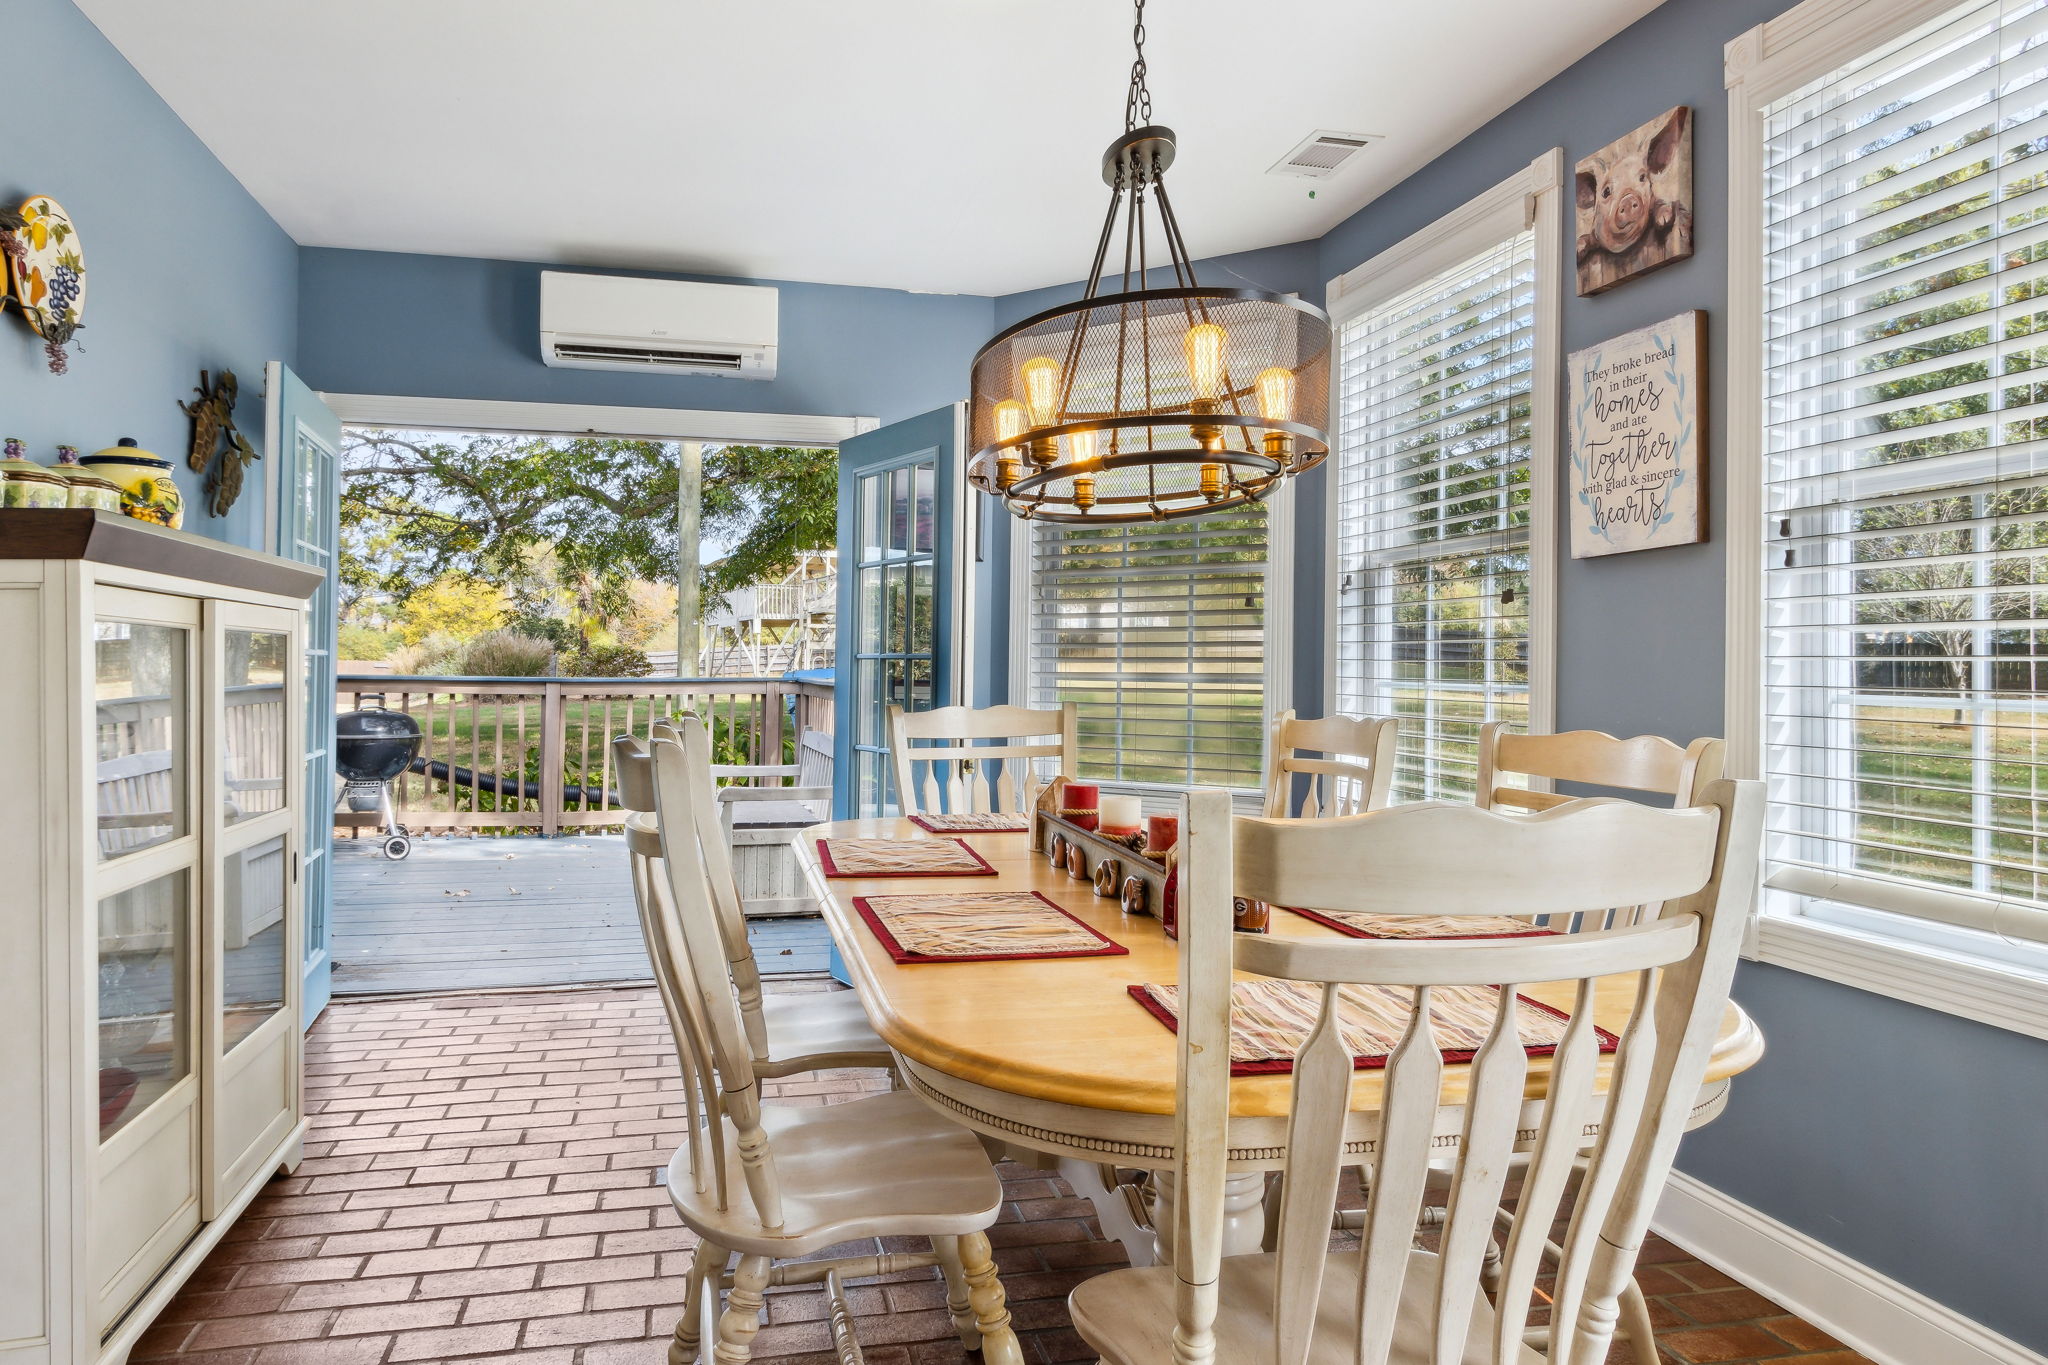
point(151, 804)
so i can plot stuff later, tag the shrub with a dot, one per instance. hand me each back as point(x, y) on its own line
point(436, 654)
point(507, 654)
point(361, 642)
point(608, 661)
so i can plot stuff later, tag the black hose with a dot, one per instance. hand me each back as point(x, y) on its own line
point(500, 787)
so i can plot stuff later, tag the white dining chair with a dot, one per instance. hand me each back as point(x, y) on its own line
point(786, 1034)
point(944, 758)
point(1391, 1301)
point(774, 1186)
point(1644, 763)
point(1353, 776)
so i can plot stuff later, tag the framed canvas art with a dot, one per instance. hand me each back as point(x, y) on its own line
point(1635, 203)
point(1638, 451)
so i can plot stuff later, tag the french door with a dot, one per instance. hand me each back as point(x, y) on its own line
point(902, 636)
point(306, 436)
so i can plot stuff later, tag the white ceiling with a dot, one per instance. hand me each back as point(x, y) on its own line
point(944, 145)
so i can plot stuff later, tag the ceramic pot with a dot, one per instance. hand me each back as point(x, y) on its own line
point(147, 490)
point(87, 488)
point(24, 483)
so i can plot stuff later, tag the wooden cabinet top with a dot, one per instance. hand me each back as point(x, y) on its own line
point(108, 538)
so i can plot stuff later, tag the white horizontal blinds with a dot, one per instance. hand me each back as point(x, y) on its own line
point(1906, 382)
point(1157, 633)
point(1433, 516)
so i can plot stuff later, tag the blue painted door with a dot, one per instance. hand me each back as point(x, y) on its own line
point(899, 524)
point(306, 438)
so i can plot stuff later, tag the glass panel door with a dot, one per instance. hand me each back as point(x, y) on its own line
point(309, 530)
point(145, 1016)
point(897, 534)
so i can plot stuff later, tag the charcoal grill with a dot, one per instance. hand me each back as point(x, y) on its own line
point(372, 746)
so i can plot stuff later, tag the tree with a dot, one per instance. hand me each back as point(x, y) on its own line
point(454, 606)
point(602, 511)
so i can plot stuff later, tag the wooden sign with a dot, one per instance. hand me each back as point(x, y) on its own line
point(1638, 453)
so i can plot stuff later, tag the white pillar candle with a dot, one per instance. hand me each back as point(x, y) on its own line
point(1120, 813)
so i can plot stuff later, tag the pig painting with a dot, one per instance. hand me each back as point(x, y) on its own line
point(1635, 203)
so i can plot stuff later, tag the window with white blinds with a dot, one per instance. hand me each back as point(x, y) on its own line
point(1906, 480)
point(1432, 529)
point(1157, 634)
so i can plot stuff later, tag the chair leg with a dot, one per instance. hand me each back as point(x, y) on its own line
point(742, 1316)
point(957, 1295)
point(1635, 1323)
point(707, 1265)
point(998, 1340)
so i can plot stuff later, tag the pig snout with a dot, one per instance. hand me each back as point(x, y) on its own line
point(1623, 217)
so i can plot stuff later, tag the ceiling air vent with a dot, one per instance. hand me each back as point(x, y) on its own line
point(1321, 154)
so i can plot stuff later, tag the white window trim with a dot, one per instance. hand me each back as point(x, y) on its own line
point(1762, 66)
point(1279, 670)
point(1532, 198)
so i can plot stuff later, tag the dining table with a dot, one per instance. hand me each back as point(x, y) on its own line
point(1053, 1058)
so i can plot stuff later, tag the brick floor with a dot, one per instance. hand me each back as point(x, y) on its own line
point(480, 1185)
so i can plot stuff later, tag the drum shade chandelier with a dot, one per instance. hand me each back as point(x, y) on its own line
point(1148, 404)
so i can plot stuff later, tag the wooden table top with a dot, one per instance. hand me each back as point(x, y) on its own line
point(1066, 1030)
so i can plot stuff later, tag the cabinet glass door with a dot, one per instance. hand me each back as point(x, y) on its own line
point(145, 1015)
point(250, 1033)
point(140, 700)
point(143, 932)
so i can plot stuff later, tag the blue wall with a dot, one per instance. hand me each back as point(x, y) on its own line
point(1904, 1137)
point(456, 327)
point(184, 271)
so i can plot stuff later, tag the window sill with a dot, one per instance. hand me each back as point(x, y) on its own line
point(1968, 988)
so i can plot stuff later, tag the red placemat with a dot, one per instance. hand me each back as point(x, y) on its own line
point(977, 822)
point(1271, 1020)
point(901, 858)
point(1360, 925)
point(971, 923)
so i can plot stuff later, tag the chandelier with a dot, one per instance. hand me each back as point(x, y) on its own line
point(1146, 404)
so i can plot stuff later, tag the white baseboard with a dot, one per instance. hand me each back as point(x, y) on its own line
point(1876, 1315)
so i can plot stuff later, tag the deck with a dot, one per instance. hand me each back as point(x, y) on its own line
point(502, 913)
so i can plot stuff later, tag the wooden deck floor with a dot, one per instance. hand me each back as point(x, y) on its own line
point(503, 913)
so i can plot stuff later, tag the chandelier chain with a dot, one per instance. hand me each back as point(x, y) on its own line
point(1138, 103)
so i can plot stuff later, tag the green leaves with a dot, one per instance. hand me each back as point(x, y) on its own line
point(589, 514)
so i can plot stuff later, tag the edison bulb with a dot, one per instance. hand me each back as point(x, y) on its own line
point(1041, 378)
point(1081, 447)
point(1009, 417)
point(1275, 388)
point(1205, 343)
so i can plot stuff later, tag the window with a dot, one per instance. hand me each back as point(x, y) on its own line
point(1159, 635)
point(1442, 437)
point(1905, 482)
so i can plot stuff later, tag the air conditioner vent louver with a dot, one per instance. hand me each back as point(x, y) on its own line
point(636, 355)
point(1319, 155)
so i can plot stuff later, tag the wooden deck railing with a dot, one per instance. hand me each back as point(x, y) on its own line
point(510, 754)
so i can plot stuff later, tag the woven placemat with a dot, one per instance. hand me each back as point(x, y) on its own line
point(901, 858)
point(979, 926)
point(1271, 1020)
point(974, 822)
point(1361, 925)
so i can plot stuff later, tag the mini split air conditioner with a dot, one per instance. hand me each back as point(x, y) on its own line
point(614, 322)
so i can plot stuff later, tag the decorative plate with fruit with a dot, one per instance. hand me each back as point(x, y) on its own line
point(46, 274)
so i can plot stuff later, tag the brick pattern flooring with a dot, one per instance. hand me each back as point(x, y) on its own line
point(480, 1185)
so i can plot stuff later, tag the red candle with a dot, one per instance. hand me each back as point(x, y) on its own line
point(1161, 833)
point(1080, 802)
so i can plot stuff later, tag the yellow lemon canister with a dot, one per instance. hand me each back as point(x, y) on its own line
point(147, 490)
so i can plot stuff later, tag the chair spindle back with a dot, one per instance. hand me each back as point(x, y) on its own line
point(1353, 776)
point(1697, 864)
point(945, 758)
